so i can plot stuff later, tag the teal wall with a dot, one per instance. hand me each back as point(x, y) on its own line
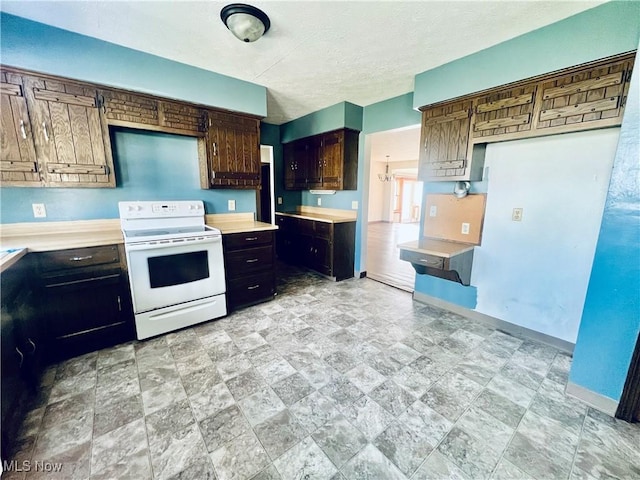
point(340, 115)
point(611, 317)
point(603, 31)
point(46, 49)
point(148, 165)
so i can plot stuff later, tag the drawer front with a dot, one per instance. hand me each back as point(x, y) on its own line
point(78, 257)
point(432, 261)
point(247, 240)
point(252, 288)
point(323, 229)
point(243, 262)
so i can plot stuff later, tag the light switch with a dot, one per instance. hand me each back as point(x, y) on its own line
point(354, 205)
point(319, 201)
point(465, 229)
point(433, 210)
point(279, 200)
point(232, 205)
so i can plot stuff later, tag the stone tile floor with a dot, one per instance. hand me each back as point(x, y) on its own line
point(348, 380)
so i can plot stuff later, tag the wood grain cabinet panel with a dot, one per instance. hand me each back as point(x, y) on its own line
point(327, 161)
point(589, 98)
point(71, 134)
point(504, 112)
point(232, 152)
point(18, 162)
point(446, 151)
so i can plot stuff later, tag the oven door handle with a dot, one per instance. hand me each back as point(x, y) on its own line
point(142, 246)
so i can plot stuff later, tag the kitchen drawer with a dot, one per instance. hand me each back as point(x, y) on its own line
point(247, 240)
point(432, 261)
point(78, 257)
point(251, 289)
point(243, 262)
point(322, 229)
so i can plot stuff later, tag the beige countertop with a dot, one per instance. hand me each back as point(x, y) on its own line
point(329, 215)
point(439, 248)
point(237, 223)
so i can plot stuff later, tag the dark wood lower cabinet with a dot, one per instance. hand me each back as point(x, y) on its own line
point(22, 347)
point(87, 299)
point(327, 247)
point(249, 268)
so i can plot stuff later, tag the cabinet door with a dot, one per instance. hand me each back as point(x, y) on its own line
point(296, 160)
point(18, 163)
point(322, 255)
point(590, 98)
point(504, 112)
point(85, 314)
point(233, 151)
point(332, 155)
point(314, 162)
point(445, 141)
point(71, 134)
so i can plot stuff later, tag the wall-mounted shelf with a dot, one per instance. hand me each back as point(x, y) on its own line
point(448, 260)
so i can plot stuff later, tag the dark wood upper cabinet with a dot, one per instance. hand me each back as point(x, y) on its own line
point(55, 134)
point(232, 152)
point(328, 161)
point(18, 162)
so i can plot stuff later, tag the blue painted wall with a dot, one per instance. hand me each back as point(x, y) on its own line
point(148, 165)
point(42, 48)
point(611, 317)
point(340, 115)
point(606, 30)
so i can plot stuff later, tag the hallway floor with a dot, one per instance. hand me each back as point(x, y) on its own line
point(383, 255)
point(349, 380)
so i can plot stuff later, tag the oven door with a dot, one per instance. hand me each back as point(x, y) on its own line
point(171, 272)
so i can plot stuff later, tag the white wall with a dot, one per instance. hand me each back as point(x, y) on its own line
point(381, 194)
point(535, 273)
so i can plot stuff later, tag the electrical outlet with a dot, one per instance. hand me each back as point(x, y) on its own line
point(465, 229)
point(354, 205)
point(319, 201)
point(516, 216)
point(231, 205)
point(433, 211)
point(279, 200)
point(38, 210)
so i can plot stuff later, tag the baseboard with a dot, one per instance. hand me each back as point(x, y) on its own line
point(599, 402)
point(510, 328)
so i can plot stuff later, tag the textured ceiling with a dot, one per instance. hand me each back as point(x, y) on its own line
point(317, 53)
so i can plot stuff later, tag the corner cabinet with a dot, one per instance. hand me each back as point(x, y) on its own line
point(231, 155)
point(326, 247)
point(328, 161)
point(54, 133)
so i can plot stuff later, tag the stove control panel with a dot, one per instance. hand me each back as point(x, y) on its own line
point(174, 209)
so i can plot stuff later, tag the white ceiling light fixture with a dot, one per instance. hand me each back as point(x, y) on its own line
point(386, 176)
point(247, 23)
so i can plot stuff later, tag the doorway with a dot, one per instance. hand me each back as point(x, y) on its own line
point(393, 205)
point(265, 204)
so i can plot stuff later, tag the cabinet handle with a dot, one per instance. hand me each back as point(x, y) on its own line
point(253, 287)
point(23, 132)
point(33, 346)
point(21, 357)
point(80, 259)
point(44, 131)
point(251, 239)
point(119, 304)
point(253, 260)
point(215, 149)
